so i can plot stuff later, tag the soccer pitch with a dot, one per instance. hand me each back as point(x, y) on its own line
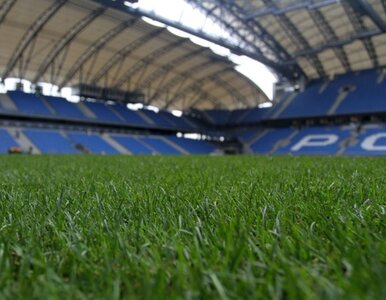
point(93, 227)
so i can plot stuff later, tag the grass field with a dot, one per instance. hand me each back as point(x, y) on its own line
point(92, 227)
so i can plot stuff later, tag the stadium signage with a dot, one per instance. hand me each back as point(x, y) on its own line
point(368, 143)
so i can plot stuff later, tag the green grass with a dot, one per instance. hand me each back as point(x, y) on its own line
point(92, 227)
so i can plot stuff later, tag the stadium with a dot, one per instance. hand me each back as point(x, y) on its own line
point(198, 149)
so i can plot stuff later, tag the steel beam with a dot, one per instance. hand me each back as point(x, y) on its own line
point(31, 34)
point(355, 17)
point(298, 39)
point(124, 52)
point(329, 35)
point(195, 84)
point(148, 59)
point(178, 78)
point(272, 10)
point(5, 9)
point(94, 49)
point(170, 66)
point(337, 43)
point(365, 8)
point(66, 40)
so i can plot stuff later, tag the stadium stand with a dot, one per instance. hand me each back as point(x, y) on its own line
point(103, 112)
point(29, 103)
point(316, 140)
point(159, 145)
point(132, 144)
point(6, 141)
point(130, 116)
point(193, 146)
point(91, 142)
point(156, 119)
point(254, 115)
point(50, 142)
point(370, 141)
point(271, 139)
point(64, 108)
point(177, 122)
point(367, 95)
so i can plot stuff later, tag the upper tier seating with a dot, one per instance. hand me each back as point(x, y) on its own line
point(193, 146)
point(369, 95)
point(29, 103)
point(94, 143)
point(97, 112)
point(103, 112)
point(217, 116)
point(310, 103)
point(132, 144)
point(130, 116)
point(255, 115)
point(6, 141)
point(159, 145)
point(157, 118)
point(48, 141)
point(63, 108)
point(178, 122)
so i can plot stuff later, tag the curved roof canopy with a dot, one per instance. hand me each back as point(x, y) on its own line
point(306, 38)
point(67, 42)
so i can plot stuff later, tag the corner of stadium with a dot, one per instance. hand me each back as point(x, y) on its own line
point(138, 161)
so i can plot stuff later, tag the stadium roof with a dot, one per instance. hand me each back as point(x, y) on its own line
point(66, 42)
point(309, 38)
point(106, 43)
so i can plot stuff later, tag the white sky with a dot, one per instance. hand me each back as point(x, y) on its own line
point(179, 10)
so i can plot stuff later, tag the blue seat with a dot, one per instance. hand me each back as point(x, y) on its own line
point(157, 119)
point(132, 144)
point(368, 97)
point(316, 150)
point(93, 142)
point(65, 108)
point(358, 150)
point(50, 141)
point(29, 103)
point(266, 143)
point(310, 102)
point(193, 146)
point(103, 112)
point(245, 136)
point(178, 123)
point(159, 145)
point(255, 115)
point(6, 141)
point(130, 116)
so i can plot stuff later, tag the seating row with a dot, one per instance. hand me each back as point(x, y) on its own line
point(70, 142)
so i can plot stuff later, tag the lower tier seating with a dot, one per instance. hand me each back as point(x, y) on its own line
point(60, 141)
point(50, 142)
point(322, 140)
point(132, 144)
point(6, 141)
point(159, 145)
point(193, 146)
point(270, 139)
point(92, 143)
